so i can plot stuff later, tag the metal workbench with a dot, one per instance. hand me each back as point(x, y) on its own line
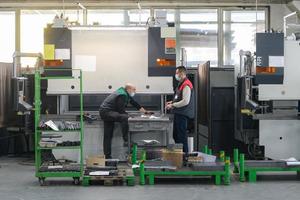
point(149, 127)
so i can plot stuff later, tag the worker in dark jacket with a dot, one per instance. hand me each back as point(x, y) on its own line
point(113, 110)
point(182, 107)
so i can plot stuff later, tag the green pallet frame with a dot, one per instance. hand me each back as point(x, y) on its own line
point(250, 173)
point(37, 100)
point(218, 175)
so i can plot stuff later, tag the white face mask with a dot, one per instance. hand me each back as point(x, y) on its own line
point(177, 77)
point(132, 94)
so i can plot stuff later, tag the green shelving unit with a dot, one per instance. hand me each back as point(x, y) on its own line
point(42, 175)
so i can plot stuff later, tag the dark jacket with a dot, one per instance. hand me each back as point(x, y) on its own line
point(188, 110)
point(117, 101)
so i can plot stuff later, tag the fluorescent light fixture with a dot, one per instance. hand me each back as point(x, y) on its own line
point(139, 5)
point(108, 28)
point(81, 6)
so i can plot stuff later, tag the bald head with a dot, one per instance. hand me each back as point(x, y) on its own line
point(130, 88)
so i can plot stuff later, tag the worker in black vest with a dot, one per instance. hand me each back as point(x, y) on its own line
point(113, 110)
point(182, 107)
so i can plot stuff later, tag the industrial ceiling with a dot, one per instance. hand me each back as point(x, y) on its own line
point(132, 3)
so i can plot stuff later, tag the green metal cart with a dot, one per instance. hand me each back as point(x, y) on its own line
point(220, 170)
point(42, 175)
point(248, 169)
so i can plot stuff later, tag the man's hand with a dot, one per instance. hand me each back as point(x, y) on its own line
point(142, 110)
point(169, 106)
point(149, 112)
point(169, 102)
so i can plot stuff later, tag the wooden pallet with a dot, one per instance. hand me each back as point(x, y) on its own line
point(124, 177)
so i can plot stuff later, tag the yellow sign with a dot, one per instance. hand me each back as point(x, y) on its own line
point(247, 112)
point(49, 51)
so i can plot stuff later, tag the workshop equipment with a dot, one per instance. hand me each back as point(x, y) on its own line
point(161, 51)
point(267, 96)
point(42, 171)
point(248, 169)
point(19, 103)
point(152, 169)
point(85, 47)
point(19, 98)
point(143, 125)
point(215, 108)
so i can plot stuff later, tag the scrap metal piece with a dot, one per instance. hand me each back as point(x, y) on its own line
point(159, 165)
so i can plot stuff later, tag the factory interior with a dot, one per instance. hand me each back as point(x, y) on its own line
point(149, 99)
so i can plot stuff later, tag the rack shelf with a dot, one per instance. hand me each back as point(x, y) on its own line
point(62, 131)
point(60, 147)
point(38, 132)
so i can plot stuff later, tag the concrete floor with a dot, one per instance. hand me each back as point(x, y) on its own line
point(17, 182)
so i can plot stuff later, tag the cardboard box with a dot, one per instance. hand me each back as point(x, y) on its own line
point(94, 161)
point(176, 157)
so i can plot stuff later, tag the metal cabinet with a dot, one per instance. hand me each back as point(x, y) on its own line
point(150, 129)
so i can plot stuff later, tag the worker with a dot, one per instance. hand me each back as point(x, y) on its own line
point(182, 107)
point(113, 110)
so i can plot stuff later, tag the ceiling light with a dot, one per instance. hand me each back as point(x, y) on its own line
point(81, 6)
point(139, 5)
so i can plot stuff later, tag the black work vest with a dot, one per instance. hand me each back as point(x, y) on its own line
point(188, 110)
point(109, 104)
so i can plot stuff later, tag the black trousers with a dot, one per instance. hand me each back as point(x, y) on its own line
point(109, 118)
point(180, 131)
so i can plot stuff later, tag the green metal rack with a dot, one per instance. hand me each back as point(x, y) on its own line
point(217, 174)
point(41, 175)
point(248, 169)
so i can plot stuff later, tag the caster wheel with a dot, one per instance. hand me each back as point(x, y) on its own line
point(42, 181)
point(76, 181)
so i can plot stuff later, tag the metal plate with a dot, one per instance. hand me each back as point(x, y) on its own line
point(159, 165)
point(265, 163)
point(208, 166)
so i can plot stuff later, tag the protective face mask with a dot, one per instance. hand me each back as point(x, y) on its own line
point(132, 94)
point(177, 77)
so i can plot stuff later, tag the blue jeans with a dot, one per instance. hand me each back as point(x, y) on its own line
point(180, 131)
